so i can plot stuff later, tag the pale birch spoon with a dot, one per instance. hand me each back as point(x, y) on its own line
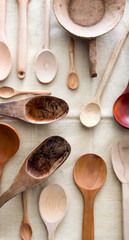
point(45, 159)
point(52, 207)
point(26, 230)
point(5, 55)
point(91, 113)
point(8, 92)
point(21, 43)
point(72, 80)
point(120, 161)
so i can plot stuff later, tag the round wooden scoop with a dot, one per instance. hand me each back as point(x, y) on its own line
point(89, 174)
point(52, 207)
point(38, 166)
point(9, 143)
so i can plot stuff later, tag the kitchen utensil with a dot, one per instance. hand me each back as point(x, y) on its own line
point(8, 92)
point(9, 143)
point(72, 80)
point(52, 207)
point(26, 230)
point(46, 65)
point(5, 55)
point(38, 166)
point(38, 110)
point(21, 44)
point(91, 113)
point(89, 19)
point(121, 109)
point(89, 174)
point(120, 161)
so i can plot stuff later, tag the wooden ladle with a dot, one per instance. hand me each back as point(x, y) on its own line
point(38, 166)
point(89, 174)
point(38, 110)
point(9, 143)
point(120, 161)
point(52, 207)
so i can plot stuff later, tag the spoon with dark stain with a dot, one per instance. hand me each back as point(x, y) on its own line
point(38, 166)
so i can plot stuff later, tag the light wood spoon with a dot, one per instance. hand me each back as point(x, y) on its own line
point(120, 161)
point(8, 92)
point(38, 166)
point(26, 230)
point(91, 113)
point(46, 65)
point(52, 207)
point(72, 80)
point(5, 55)
point(89, 174)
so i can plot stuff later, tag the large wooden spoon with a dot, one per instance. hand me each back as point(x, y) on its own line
point(9, 143)
point(52, 207)
point(120, 161)
point(89, 174)
point(38, 166)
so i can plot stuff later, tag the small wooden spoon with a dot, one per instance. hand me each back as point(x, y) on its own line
point(8, 92)
point(52, 207)
point(72, 80)
point(89, 174)
point(9, 143)
point(37, 110)
point(38, 166)
point(120, 161)
point(26, 230)
point(91, 113)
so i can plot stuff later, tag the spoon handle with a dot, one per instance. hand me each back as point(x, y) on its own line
point(71, 48)
point(24, 201)
point(92, 57)
point(47, 24)
point(125, 194)
point(2, 18)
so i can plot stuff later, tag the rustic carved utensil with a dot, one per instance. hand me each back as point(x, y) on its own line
point(91, 113)
point(9, 143)
point(89, 19)
point(46, 65)
point(26, 230)
point(72, 80)
point(21, 44)
point(38, 166)
point(38, 110)
point(5, 55)
point(89, 174)
point(52, 207)
point(120, 161)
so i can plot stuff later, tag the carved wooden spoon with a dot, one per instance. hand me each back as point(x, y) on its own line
point(38, 166)
point(52, 207)
point(89, 174)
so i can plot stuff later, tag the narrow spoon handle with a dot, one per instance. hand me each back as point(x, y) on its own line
point(51, 233)
point(24, 201)
point(36, 92)
point(47, 23)
point(2, 19)
point(71, 48)
point(125, 193)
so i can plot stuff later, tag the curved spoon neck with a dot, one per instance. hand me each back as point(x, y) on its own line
point(51, 231)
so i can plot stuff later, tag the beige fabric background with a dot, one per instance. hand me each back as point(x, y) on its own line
point(99, 140)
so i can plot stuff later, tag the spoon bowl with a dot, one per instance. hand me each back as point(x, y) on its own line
point(5, 61)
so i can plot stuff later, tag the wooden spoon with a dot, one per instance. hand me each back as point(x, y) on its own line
point(52, 207)
point(21, 44)
point(38, 166)
point(9, 143)
point(120, 161)
point(8, 92)
point(26, 230)
point(72, 80)
point(46, 65)
point(5, 55)
point(38, 110)
point(91, 113)
point(89, 174)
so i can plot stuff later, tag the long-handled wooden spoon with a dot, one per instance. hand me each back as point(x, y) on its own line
point(91, 113)
point(5, 55)
point(72, 80)
point(89, 174)
point(26, 230)
point(120, 161)
point(9, 143)
point(21, 44)
point(52, 207)
point(38, 166)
